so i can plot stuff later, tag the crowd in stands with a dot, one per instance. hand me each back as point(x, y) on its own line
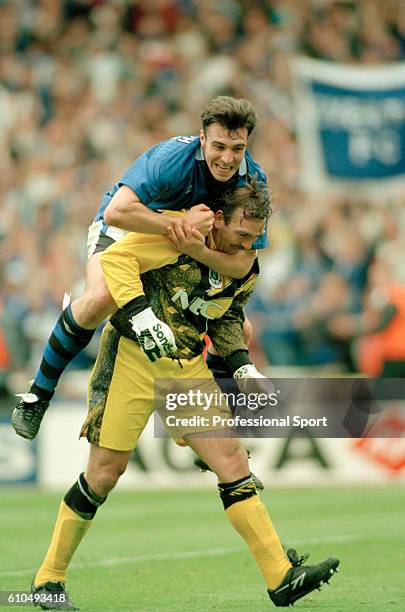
point(87, 85)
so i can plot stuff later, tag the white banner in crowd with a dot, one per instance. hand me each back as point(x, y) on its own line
point(350, 123)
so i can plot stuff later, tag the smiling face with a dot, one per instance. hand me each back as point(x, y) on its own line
point(238, 234)
point(223, 150)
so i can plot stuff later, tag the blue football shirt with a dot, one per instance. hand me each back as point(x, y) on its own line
point(173, 175)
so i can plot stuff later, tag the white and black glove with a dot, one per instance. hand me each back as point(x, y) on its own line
point(249, 380)
point(155, 337)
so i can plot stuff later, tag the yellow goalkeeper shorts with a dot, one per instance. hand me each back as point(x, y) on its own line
point(125, 388)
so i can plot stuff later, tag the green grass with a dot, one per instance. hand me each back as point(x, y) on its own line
point(135, 555)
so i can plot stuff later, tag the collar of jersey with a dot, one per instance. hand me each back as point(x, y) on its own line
point(211, 245)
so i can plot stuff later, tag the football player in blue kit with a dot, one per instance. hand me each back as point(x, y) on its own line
point(180, 173)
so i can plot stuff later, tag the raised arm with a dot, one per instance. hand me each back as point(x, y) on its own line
point(123, 263)
point(235, 265)
point(127, 212)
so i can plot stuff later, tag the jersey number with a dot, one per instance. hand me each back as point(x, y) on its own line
point(185, 139)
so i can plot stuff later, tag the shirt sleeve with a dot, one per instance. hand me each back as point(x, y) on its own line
point(123, 263)
point(255, 170)
point(155, 175)
point(145, 178)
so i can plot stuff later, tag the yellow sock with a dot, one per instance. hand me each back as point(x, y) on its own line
point(67, 535)
point(250, 518)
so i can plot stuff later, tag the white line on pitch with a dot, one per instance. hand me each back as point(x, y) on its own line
point(190, 554)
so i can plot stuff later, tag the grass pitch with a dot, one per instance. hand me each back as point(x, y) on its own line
point(175, 551)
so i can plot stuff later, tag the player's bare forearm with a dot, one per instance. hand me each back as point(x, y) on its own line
point(127, 212)
point(235, 266)
point(191, 242)
point(133, 216)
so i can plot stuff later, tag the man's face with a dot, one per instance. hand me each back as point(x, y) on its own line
point(223, 150)
point(239, 234)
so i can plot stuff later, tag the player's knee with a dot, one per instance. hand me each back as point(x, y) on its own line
point(238, 458)
point(99, 297)
point(233, 464)
point(103, 475)
point(107, 477)
point(94, 306)
point(235, 450)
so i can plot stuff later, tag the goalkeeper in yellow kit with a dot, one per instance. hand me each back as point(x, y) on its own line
point(166, 302)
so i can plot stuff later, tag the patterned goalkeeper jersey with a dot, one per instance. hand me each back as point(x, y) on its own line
point(183, 293)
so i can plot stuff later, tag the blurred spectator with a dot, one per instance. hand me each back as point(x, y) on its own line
point(315, 321)
point(379, 330)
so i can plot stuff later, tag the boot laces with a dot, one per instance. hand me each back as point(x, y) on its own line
point(295, 560)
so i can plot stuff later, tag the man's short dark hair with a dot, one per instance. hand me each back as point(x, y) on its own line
point(231, 113)
point(254, 198)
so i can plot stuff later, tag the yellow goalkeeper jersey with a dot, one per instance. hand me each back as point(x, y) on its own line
point(189, 297)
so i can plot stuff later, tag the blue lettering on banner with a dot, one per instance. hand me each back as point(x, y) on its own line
point(18, 457)
point(362, 133)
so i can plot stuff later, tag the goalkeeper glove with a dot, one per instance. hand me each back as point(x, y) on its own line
point(249, 380)
point(156, 339)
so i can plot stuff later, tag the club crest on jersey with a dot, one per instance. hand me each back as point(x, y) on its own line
point(215, 279)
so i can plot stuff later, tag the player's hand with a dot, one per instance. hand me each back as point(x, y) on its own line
point(155, 337)
point(201, 218)
point(249, 380)
point(187, 240)
point(178, 224)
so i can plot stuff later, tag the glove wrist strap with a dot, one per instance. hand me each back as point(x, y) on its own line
point(135, 306)
point(237, 359)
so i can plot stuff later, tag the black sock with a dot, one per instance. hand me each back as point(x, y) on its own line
point(65, 342)
point(233, 492)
